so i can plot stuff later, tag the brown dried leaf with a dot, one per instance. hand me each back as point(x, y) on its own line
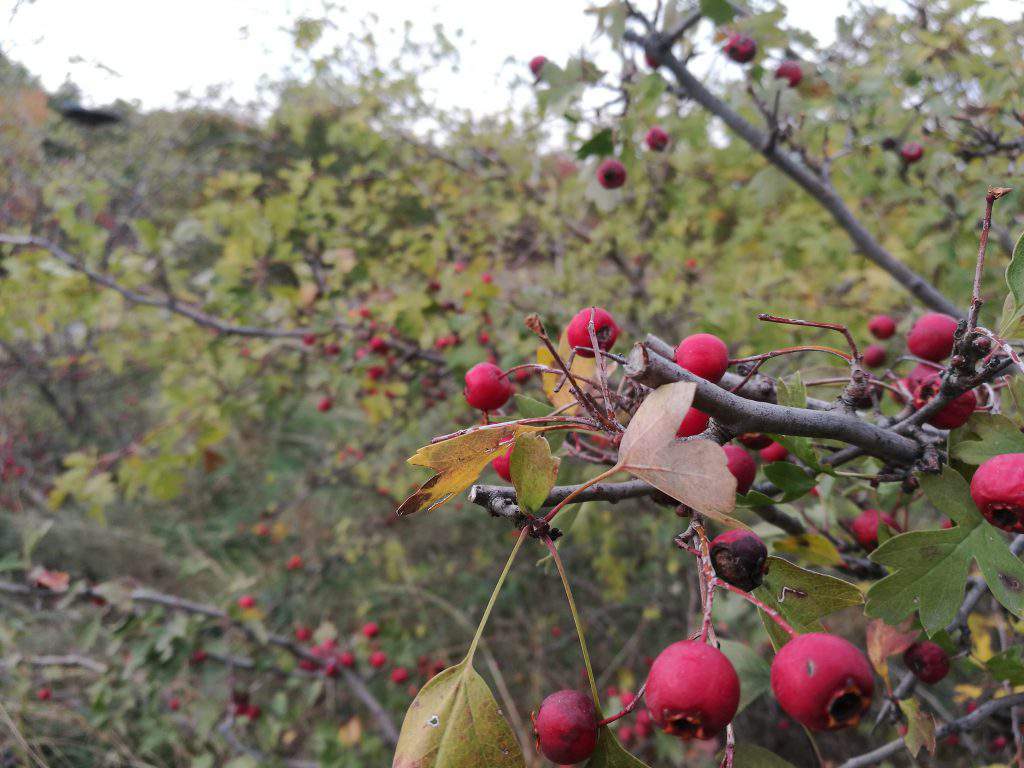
point(55, 581)
point(885, 640)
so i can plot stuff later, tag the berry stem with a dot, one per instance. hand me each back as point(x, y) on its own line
point(494, 596)
point(575, 620)
point(773, 614)
point(814, 324)
point(632, 705)
point(790, 350)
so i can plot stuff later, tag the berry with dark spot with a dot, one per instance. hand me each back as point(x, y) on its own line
point(791, 71)
point(739, 558)
point(952, 415)
point(911, 152)
point(927, 660)
point(611, 174)
point(740, 48)
point(566, 727)
point(692, 690)
point(577, 333)
point(704, 355)
point(998, 491)
point(755, 441)
point(656, 139)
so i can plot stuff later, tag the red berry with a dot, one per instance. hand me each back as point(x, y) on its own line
point(882, 326)
point(487, 387)
point(174, 704)
point(379, 345)
point(294, 563)
point(537, 64)
point(704, 355)
point(370, 629)
point(656, 139)
point(740, 48)
point(822, 681)
point(626, 698)
point(693, 423)
point(486, 278)
point(932, 336)
point(262, 530)
point(334, 348)
point(998, 491)
point(755, 440)
point(578, 335)
point(692, 690)
point(198, 656)
point(376, 372)
point(253, 712)
point(484, 337)
point(865, 527)
point(378, 659)
point(739, 558)
point(742, 467)
point(502, 466)
point(927, 661)
point(651, 61)
point(774, 452)
point(303, 633)
point(399, 675)
point(911, 152)
point(566, 727)
point(952, 415)
point(309, 339)
point(246, 602)
point(625, 734)
point(325, 404)
point(611, 174)
point(347, 659)
point(874, 355)
point(791, 71)
point(44, 694)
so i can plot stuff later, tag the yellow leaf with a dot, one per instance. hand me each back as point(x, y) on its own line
point(308, 293)
point(351, 733)
point(813, 548)
point(458, 461)
point(583, 367)
point(981, 636)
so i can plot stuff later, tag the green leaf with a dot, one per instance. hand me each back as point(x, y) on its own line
point(1008, 665)
point(996, 435)
point(802, 448)
point(754, 672)
point(920, 727)
point(802, 597)
point(792, 392)
point(790, 479)
point(1015, 272)
point(601, 144)
point(610, 754)
point(929, 568)
point(529, 408)
point(454, 722)
point(719, 11)
point(533, 469)
point(751, 756)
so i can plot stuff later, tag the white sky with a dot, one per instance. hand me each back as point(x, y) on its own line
point(158, 49)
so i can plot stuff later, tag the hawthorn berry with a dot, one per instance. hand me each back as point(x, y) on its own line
point(502, 465)
point(651, 61)
point(325, 404)
point(309, 339)
point(693, 423)
point(927, 660)
point(566, 727)
point(487, 387)
point(577, 333)
point(537, 64)
point(704, 355)
point(952, 415)
point(399, 675)
point(911, 152)
point(246, 602)
point(874, 355)
point(932, 336)
point(774, 452)
point(742, 466)
point(253, 712)
point(303, 633)
point(656, 139)
point(740, 48)
point(864, 527)
point(379, 345)
point(791, 71)
point(739, 558)
point(262, 530)
point(822, 681)
point(882, 327)
point(692, 690)
point(174, 704)
point(370, 629)
point(347, 659)
point(998, 491)
point(333, 348)
point(755, 441)
point(626, 734)
point(44, 694)
point(611, 174)
point(378, 659)
point(294, 563)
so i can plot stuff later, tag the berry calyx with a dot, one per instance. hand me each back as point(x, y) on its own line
point(739, 558)
point(487, 387)
point(952, 415)
point(927, 660)
point(740, 48)
point(772, 453)
point(998, 491)
point(882, 327)
point(932, 336)
point(378, 659)
point(611, 174)
point(577, 333)
point(693, 423)
point(537, 64)
point(370, 629)
point(911, 152)
point(791, 71)
point(864, 527)
point(704, 355)
point(566, 727)
point(822, 681)
point(656, 139)
point(755, 441)
point(692, 690)
point(874, 355)
point(742, 466)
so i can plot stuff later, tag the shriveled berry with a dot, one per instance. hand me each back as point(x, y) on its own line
point(740, 48)
point(822, 681)
point(704, 355)
point(874, 355)
point(611, 174)
point(656, 139)
point(998, 491)
point(791, 71)
point(932, 336)
point(774, 452)
point(537, 64)
point(692, 690)
point(755, 441)
point(739, 558)
point(742, 466)
point(693, 423)
point(864, 527)
point(487, 387)
point(952, 415)
point(566, 727)
point(577, 333)
point(927, 660)
point(882, 327)
point(911, 152)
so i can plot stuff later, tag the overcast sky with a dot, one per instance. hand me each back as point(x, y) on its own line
point(151, 50)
